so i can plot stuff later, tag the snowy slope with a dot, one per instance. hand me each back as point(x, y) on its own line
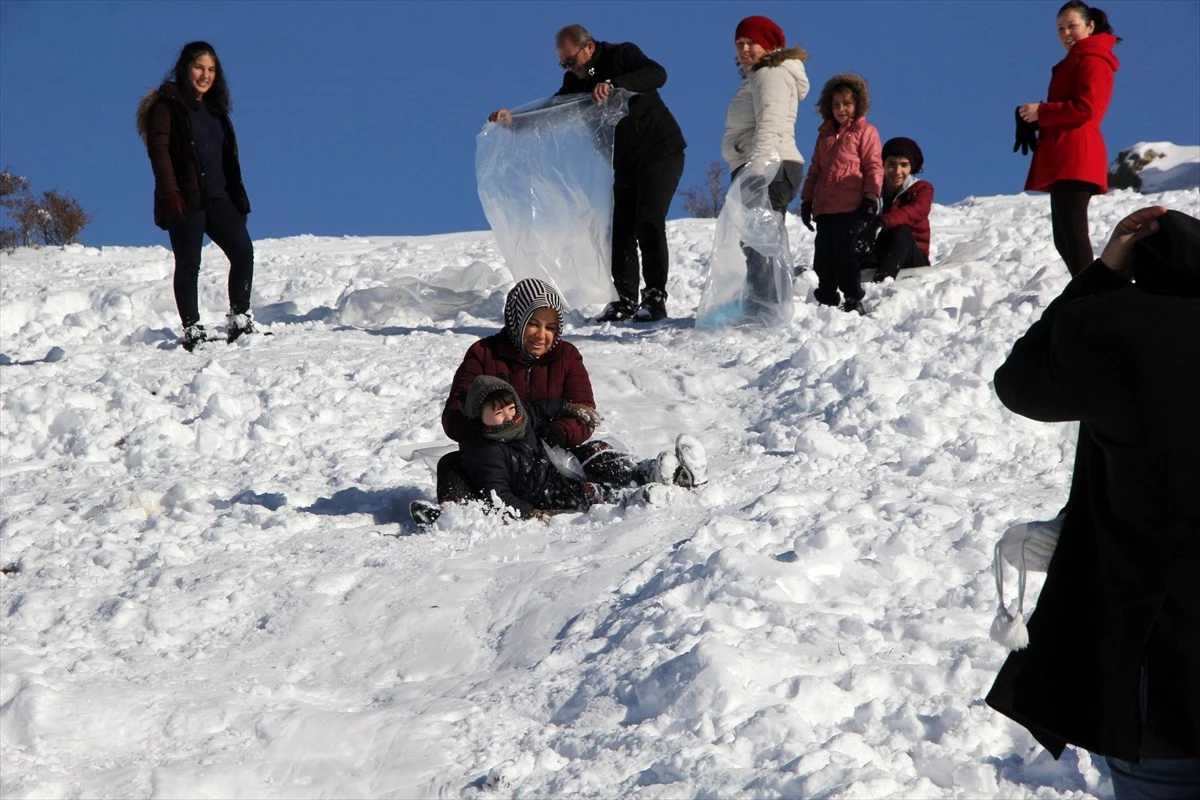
point(211, 590)
point(1152, 167)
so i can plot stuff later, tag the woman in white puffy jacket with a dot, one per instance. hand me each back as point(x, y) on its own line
point(760, 124)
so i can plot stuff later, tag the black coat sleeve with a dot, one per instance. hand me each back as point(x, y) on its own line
point(487, 467)
point(1069, 364)
point(632, 70)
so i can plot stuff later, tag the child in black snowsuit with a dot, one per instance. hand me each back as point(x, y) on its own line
point(508, 457)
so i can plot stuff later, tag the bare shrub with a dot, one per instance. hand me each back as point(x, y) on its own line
point(53, 219)
point(705, 201)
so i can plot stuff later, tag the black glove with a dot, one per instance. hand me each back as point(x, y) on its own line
point(864, 240)
point(806, 214)
point(867, 209)
point(1026, 135)
point(555, 435)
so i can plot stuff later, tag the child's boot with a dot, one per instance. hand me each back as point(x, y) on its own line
point(664, 468)
point(693, 462)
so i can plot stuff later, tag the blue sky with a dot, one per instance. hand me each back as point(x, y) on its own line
point(360, 118)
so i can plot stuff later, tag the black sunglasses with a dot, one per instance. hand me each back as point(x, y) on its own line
point(569, 63)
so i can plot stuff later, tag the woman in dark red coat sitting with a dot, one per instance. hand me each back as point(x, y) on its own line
point(1070, 160)
point(530, 354)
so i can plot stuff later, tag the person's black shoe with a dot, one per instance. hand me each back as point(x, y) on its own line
point(424, 513)
point(882, 275)
point(193, 335)
point(238, 325)
point(654, 306)
point(617, 311)
point(854, 305)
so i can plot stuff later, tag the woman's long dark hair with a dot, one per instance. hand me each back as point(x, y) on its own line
point(217, 96)
point(1090, 14)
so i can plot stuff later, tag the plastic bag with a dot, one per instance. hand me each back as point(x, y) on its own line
point(545, 183)
point(1028, 546)
point(566, 462)
point(750, 270)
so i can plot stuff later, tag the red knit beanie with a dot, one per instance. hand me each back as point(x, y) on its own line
point(762, 31)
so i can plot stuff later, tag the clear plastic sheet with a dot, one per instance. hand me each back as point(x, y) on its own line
point(750, 270)
point(566, 462)
point(545, 183)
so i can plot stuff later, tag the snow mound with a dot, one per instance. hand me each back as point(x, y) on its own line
point(210, 587)
point(1150, 167)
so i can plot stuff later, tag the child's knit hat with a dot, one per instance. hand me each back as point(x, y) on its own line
point(483, 387)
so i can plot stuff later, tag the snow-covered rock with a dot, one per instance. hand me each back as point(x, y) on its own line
point(210, 587)
point(1150, 167)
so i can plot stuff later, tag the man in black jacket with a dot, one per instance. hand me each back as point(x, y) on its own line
point(1113, 662)
point(647, 164)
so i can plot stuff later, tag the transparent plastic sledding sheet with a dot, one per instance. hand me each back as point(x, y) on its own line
point(750, 271)
point(545, 183)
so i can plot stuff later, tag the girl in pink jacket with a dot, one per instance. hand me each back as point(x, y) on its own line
point(842, 189)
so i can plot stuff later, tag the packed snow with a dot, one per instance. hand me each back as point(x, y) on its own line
point(211, 587)
point(1161, 166)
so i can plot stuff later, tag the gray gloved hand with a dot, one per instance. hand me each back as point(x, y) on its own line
point(585, 413)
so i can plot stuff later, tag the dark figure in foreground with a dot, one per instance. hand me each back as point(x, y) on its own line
point(898, 237)
point(1069, 159)
point(1113, 661)
point(198, 184)
point(647, 164)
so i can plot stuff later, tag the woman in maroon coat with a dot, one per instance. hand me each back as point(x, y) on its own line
point(1070, 160)
point(198, 186)
point(530, 355)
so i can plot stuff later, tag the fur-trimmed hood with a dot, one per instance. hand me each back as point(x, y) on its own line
point(168, 91)
point(857, 84)
point(777, 57)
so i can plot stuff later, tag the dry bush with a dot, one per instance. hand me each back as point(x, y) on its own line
point(60, 218)
point(705, 201)
point(53, 219)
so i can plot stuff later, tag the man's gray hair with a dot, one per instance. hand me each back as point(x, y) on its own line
point(575, 34)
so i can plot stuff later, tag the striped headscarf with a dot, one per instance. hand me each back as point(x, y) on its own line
point(523, 299)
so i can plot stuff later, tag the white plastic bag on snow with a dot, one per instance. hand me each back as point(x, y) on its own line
point(750, 271)
point(545, 183)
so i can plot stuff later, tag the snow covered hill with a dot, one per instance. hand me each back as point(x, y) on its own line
point(1151, 167)
point(210, 588)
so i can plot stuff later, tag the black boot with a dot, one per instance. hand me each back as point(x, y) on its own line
point(654, 306)
point(617, 311)
point(855, 306)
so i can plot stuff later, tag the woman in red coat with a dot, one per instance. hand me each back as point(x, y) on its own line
point(1070, 161)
